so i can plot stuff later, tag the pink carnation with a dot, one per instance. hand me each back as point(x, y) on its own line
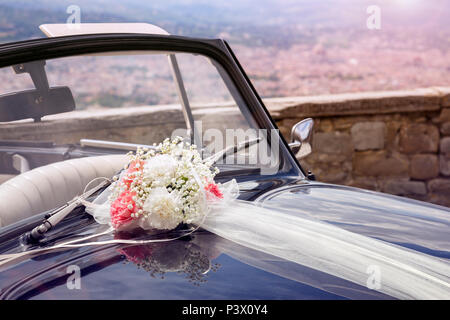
point(122, 208)
point(213, 189)
point(128, 178)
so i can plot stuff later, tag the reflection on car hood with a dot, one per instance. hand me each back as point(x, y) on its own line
point(413, 224)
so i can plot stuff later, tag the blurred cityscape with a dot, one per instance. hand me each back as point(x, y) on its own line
point(288, 48)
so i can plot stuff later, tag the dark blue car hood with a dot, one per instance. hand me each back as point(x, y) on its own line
point(205, 266)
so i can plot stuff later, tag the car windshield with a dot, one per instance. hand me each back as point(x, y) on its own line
point(105, 104)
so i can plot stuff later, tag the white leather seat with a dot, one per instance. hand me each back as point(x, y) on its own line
point(50, 186)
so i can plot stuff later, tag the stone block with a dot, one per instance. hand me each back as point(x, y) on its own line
point(332, 142)
point(346, 123)
point(444, 164)
point(392, 137)
point(364, 183)
point(439, 186)
point(444, 146)
point(326, 158)
point(332, 173)
point(444, 116)
point(368, 135)
point(445, 128)
point(446, 101)
point(440, 199)
point(380, 163)
point(405, 187)
point(424, 166)
point(419, 138)
point(324, 125)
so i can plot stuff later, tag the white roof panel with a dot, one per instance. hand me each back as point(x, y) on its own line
point(70, 29)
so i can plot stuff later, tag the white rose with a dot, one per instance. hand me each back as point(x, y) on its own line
point(161, 208)
point(160, 169)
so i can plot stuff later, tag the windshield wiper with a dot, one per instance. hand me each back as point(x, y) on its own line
point(58, 214)
point(232, 150)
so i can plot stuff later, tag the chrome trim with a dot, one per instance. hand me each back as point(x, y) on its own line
point(112, 145)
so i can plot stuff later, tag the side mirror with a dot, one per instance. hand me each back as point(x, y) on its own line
point(301, 138)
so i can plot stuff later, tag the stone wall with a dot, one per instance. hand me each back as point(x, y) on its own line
point(395, 142)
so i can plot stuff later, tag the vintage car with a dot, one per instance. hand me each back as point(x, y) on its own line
point(73, 104)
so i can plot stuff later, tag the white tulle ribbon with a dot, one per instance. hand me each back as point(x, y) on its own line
point(402, 273)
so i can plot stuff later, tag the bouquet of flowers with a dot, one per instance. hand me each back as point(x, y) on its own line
point(163, 187)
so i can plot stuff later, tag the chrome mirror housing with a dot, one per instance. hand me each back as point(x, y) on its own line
point(301, 134)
